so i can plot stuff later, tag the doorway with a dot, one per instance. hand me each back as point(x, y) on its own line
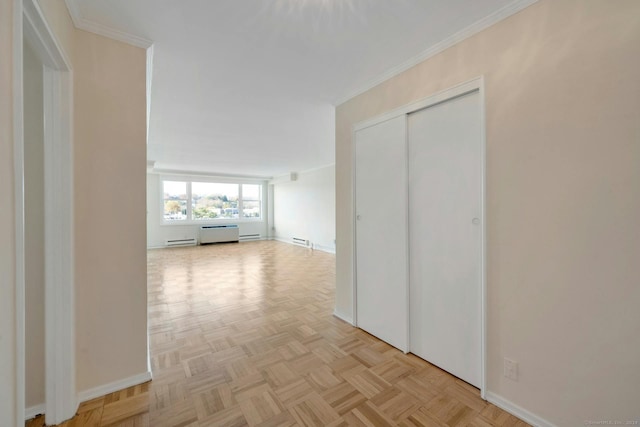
point(33, 102)
point(49, 187)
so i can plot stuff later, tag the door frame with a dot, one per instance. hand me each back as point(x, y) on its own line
point(474, 85)
point(61, 400)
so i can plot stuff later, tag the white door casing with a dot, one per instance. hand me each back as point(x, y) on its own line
point(60, 394)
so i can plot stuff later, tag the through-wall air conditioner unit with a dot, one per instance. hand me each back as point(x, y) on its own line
point(219, 234)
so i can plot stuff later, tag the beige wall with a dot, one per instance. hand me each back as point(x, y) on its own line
point(7, 223)
point(110, 178)
point(109, 174)
point(34, 226)
point(563, 200)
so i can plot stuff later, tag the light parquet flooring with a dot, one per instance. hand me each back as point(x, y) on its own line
point(243, 334)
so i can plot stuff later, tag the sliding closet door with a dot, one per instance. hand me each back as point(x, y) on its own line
point(445, 243)
point(381, 231)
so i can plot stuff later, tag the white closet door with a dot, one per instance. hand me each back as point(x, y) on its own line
point(381, 231)
point(445, 237)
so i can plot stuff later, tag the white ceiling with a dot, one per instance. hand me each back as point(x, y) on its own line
point(247, 87)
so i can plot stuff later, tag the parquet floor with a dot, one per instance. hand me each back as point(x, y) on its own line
point(243, 334)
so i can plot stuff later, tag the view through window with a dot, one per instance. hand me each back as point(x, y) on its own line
point(251, 200)
point(206, 201)
point(175, 200)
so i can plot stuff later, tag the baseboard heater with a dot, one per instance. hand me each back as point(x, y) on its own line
point(179, 242)
point(219, 234)
point(300, 242)
point(246, 237)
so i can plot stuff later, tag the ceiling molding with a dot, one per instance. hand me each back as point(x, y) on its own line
point(486, 22)
point(102, 30)
point(278, 179)
point(195, 173)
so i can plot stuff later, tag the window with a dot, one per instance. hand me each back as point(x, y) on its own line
point(251, 200)
point(211, 200)
point(175, 200)
point(201, 201)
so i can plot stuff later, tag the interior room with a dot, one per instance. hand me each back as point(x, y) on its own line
point(319, 212)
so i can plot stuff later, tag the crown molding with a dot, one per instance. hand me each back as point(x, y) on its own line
point(278, 179)
point(93, 27)
point(200, 173)
point(484, 23)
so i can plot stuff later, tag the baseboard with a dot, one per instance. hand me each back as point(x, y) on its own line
point(33, 411)
point(102, 390)
point(340, 316)
point(327, 249)
point(198, 244)
point(517, 411)
point(313, 246)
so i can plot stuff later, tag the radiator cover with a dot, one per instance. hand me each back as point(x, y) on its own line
point(219, 234)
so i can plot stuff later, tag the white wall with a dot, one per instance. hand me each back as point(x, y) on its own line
point(305, 208)
point(158, 233)
point(562, 98)
point(34, 227)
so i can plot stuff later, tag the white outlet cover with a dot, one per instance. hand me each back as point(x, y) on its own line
point(511, 369)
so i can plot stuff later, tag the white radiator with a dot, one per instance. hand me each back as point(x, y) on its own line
point(219, 234)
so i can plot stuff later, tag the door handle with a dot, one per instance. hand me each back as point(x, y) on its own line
point(475, 221)
point(358, 217)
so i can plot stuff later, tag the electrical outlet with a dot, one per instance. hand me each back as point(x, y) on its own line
point(511, 369)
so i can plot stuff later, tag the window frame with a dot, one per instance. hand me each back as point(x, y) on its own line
point(189, 180)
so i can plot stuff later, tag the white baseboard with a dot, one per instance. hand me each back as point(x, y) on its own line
point(517, 411)
point(99, 391)
point(313, 246)
point(198, 244)
point(327, 249)
point(33, 411)
point(340, 316)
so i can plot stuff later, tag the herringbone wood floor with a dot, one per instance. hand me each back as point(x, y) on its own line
point(243, 334)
